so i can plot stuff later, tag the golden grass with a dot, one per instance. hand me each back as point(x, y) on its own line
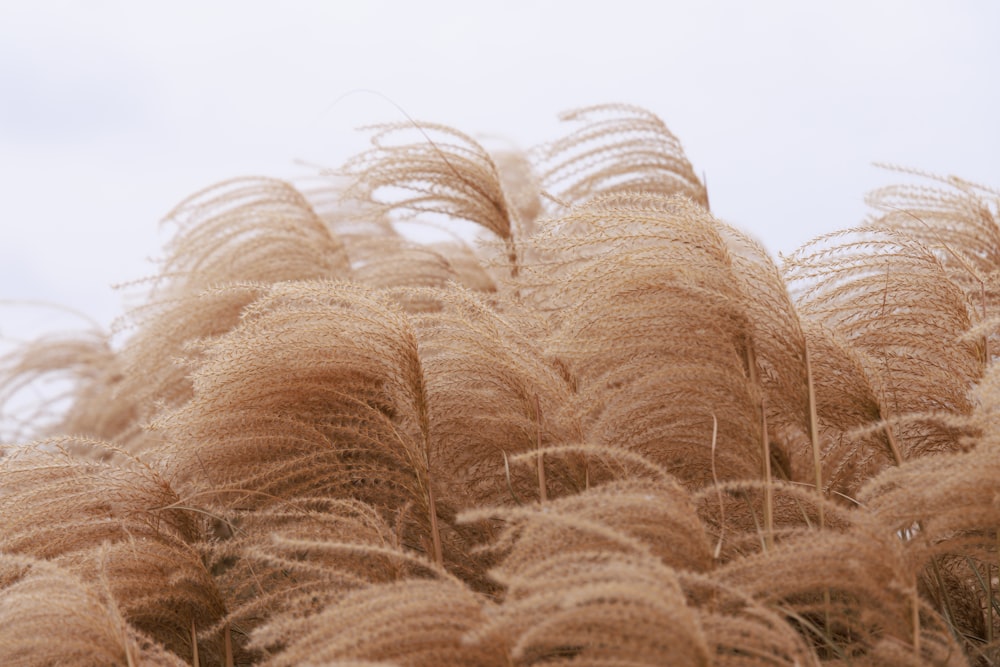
point(613, 431)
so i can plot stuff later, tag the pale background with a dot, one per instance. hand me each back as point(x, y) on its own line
point(112, 112)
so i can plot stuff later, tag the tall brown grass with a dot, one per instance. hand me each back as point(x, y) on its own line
point(608, 430)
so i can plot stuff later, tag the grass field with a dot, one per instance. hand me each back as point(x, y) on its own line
point(587, 424)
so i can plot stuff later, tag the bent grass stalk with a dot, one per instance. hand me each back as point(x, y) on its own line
point(814, 437)
point(718, 490)
point(542, 493)
point(754, 377)
point(768, 482)
point(194, 645)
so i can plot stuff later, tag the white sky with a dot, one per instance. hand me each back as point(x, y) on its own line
point(112, 112)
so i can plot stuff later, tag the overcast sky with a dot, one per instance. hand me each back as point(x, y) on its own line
point(112, 112)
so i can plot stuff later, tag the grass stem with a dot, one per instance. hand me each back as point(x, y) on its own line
point(814, 437)
point(768, 481)
point(195, 661)
point(542, 493)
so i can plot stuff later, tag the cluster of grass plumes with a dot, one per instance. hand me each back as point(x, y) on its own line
point(608, 430)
